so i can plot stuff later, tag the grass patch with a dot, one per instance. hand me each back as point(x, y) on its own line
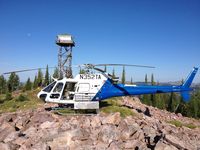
point(65, 111)
point(124, 111)
point(180, 124)
point(110, 102)
point(191, 126)
point(22, 98)
point(113, 105)
point(27, 100)
point(176, 123)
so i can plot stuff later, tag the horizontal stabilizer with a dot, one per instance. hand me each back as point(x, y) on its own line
point(185, 95)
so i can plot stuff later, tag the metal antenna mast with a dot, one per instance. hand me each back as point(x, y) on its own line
point(65, 43)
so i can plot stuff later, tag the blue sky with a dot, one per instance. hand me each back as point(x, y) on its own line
point(162, 33)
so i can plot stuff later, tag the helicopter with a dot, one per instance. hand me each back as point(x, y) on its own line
point(86, 90)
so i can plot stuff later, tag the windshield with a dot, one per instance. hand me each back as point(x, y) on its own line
point(58, 87)
point(49, 87)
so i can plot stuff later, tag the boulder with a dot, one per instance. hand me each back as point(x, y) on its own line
point(67, 139)
point(131, 144)
point(175, 141)
point(113, 119)
point(4, 146)
point(10, 137)
point(5, 130)
point(84, 122)
point(108, 134)
point(164, 146)
point(114, 146)
point(129, 132)
point(95, 121)
point(30, 132)
point(101, 145)
point(41, 117)
point(47, 124)
point(39, 146)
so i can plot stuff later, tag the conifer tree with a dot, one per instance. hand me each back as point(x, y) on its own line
point(46, 79)
point(194, 105)
point(56, 73)
point(146, 79)
point(131, 80)
point(123, 76)
point(13, 82)
point(39, 78)
point(3, 86)
point(153, 97)
point(172, 102)
point(50, 79)
point(146, 97)
point(152, 79)
point(35, 84)
point(28, 85)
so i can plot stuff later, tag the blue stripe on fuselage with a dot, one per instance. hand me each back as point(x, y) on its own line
point(113, 90)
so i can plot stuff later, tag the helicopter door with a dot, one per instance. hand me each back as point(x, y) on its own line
point(69, 90)
point(83, 90)
point(57, 91)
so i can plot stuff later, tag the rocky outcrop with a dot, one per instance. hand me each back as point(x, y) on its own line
point(43, 130)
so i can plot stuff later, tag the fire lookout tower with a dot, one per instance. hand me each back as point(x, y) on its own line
point(65, 43)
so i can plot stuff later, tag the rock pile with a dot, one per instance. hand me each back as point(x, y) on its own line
point(43, 130)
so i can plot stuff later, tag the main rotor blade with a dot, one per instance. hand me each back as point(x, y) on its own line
point(25, 70)
point(124, 65)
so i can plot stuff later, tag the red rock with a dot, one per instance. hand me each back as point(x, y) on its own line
point(113, 119)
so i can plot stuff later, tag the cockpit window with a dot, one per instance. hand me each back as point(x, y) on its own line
point(50, 87)
point(58, 87)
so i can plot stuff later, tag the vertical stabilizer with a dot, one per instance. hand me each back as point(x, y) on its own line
point(190, 78)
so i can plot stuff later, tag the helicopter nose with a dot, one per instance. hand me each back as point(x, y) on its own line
point(42, 96)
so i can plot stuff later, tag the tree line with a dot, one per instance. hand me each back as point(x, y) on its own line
point(173, 102)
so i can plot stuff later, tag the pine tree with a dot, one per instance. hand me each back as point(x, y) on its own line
point(46, 79)
point(131, 80)
point(146, 97)
point(153, 97)
point(28, 85)
point(13, 82)
point(193, 105)
point(56, 73)
point(35, 84)
point(152, 79)
point(113, 73)
point(123, 76)
point(160, 101)
point(3, 86)
point(146, 79)
point(39, 78)
point(172, 102)
point(50, 79)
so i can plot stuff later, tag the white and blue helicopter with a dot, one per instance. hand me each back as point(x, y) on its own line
point(86, 90)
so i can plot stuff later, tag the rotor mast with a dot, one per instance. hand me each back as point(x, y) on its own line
point(65, 43)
